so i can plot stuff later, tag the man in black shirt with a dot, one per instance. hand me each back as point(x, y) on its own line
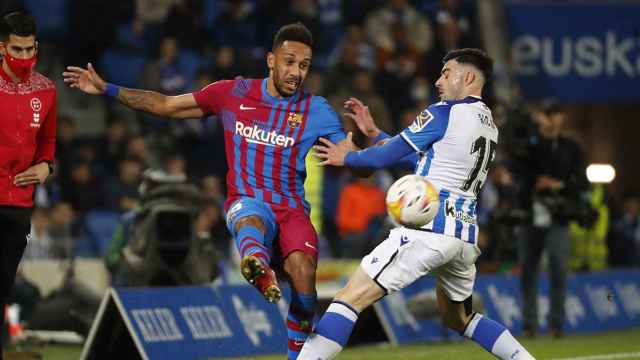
point(557, 184)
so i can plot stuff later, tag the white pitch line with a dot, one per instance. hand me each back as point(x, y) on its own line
point(604, 356)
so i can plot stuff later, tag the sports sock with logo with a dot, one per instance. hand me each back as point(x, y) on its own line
point(331, 334)
point(495, 338)
point(299, 321)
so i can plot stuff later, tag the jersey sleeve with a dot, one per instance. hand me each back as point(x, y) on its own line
point(332, 124)
point(211, 97)
point(428, 127)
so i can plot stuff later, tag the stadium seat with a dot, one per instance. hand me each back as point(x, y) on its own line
point(51, 17)
point(98, 226)
point(189, 62)
point(122, 67)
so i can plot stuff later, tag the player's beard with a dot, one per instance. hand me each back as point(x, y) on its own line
point(282, 86)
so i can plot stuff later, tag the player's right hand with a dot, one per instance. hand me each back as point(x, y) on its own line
point(86, 80)
point(361, 116)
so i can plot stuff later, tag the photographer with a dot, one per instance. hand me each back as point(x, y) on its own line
point(557, 183)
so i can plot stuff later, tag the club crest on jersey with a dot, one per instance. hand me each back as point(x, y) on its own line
point(294, 120)
point(36, 106)
point(421, 121)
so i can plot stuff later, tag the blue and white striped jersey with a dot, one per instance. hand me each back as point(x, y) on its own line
point(456, 143)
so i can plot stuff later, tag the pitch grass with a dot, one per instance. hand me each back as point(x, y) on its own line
point(543, 348)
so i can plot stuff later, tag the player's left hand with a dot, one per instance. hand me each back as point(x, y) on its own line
point(36, 174)
point(334, 154)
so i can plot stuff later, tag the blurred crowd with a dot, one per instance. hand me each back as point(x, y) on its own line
point(387, 53)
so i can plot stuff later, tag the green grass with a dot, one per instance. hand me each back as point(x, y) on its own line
point(542, 348)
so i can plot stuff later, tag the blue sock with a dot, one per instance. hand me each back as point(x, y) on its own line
point(495, 338)
point(300, 321)
point(337, 322)
point(251, 241)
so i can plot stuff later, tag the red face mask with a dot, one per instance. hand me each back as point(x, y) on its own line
point(20, 67)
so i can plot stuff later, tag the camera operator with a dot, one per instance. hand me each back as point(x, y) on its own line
point(557, 184)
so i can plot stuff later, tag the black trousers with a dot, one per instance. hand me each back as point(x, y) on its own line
point(15, 226)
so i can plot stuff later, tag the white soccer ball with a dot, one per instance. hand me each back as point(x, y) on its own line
point(412, 201)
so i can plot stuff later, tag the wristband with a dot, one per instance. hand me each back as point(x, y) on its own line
point(112, 90)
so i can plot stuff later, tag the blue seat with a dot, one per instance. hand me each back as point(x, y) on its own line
point(189, 62)
point(99, 226)
point(122, 67)
point(51, 16)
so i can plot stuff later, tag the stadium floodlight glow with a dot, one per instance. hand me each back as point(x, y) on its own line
point(601, 173)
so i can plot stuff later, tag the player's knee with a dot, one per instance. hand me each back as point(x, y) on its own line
point(300, 265)
point(250, 220)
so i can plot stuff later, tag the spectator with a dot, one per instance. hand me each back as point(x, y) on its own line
point(112, 145)
point(236, 26)
point(624, 245)
point(558, 182)
point(388, 27)
point(39, 242)
point(175, 165)
point(361, 210)
point(589, 240)
point(210, 224)
point(349, 60)
point(138, 149)
point(66, 142)
point(163, 74)
point(83, 190)
point(154, 11)
point(361, 86)
point(61, 230)
point(122, 191)
point(213, 189)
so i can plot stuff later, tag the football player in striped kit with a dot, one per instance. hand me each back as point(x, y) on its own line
point(270, 125)
point(453, 144)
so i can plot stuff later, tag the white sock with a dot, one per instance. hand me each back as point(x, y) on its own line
point(318, 347)
point(331, 334)
point(495, 338)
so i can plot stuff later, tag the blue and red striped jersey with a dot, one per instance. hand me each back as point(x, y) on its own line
point(267, 138)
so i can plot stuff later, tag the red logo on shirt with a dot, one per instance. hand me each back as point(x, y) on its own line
point(36, 104)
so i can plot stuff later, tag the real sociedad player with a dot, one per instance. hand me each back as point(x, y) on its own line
point(270, 126)
point(454, 143)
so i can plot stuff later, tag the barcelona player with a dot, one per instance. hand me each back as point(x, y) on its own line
point(270, 125)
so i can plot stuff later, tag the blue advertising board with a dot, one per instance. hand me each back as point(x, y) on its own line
point(576, 51)
point(600, 301)
point(200, 322)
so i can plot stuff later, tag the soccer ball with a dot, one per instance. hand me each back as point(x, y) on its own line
point(412, 201)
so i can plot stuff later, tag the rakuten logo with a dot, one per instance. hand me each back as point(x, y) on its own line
point(255, 135)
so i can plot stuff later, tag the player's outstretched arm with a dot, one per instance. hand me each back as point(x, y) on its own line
point(376, 157)
point(87, 80)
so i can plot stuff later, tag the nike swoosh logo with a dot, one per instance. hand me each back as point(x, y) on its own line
point(306, 243)
point(242, 107)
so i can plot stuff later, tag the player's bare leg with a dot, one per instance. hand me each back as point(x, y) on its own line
point(254, 264)
point(333, 330)
point(492, 336)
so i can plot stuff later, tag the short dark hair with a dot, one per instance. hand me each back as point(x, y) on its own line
point(476, 57)
point(293, 32)
point(17, 23)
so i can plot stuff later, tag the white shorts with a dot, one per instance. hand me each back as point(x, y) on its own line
point(407, 255)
